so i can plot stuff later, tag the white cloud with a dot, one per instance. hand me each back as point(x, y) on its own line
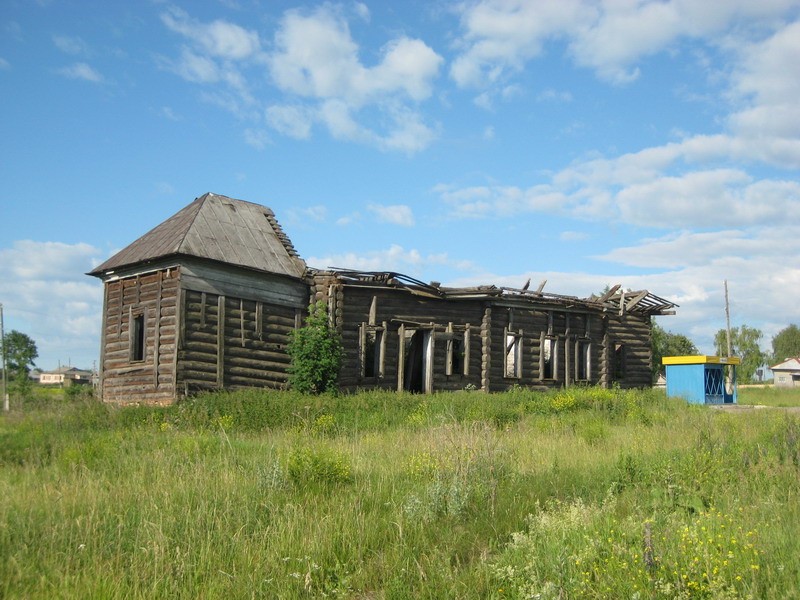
point(610, 37)
point(500, 36)
point(395, 258)
point(292, 121)
point(256, 138)
point(572, 236)
point(768, 80)
point(316, 57)
point(362, 10)
point(168, 113)
point(47, 295)
point(70, 45)
point(397, 214)
point(551, 95)
point(219, 39)
point(314, 62)
point(82, 71)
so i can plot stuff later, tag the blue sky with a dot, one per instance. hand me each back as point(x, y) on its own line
point(651, 144)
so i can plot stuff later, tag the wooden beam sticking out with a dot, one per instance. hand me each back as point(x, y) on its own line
point(541, 286)
point(373, 311)
point(636, 299)
point(609, 293)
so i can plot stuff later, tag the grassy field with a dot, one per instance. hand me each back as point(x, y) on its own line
point(767, 395)
point(584, 493)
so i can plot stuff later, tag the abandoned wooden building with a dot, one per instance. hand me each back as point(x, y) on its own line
point(208, 298)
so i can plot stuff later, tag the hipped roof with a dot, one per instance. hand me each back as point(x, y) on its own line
point(217, 228)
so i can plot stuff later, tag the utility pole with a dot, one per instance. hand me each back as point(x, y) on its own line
point(727, 318)
point(3, 353)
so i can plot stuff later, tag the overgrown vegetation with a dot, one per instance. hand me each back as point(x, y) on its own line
point(579, 493)
point(316, 353)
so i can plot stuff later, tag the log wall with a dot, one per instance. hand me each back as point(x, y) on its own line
point(153, 298)
point(585, 343)
point(629, 341)
point(230, 342)
point(393, 313)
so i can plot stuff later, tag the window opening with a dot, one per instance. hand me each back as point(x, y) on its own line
point(513, 362)
point(619, 361)
point(137, 334)
point(372, 352)
point(549, 358)
point(583, 360)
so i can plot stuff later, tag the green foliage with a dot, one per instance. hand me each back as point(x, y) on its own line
point(307, 465)
point(786, 344)
point(20, 352)
point(316, 354)
point(665, 343)
point(584, 493)
point(744, 344)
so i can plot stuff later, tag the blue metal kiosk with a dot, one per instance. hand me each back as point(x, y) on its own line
point(702, 379)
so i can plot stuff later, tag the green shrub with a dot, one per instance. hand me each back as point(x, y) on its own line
point(318, 465)
point(316, 353)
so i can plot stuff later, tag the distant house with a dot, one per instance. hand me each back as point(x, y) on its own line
point(208, 300)
point(787, 373)
point(65, 376)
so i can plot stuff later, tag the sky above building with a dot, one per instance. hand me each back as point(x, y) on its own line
point(587, 143)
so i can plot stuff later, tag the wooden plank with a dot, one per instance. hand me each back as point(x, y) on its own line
point(157, 334)
point(221, 342)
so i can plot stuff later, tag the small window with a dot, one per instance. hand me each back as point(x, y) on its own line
point(137, 337)
point(619, 362)
point(513, 359)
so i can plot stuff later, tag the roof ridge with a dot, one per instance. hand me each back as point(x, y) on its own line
point(201, 200)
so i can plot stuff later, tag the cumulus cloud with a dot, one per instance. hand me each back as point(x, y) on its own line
point(314, 62)
point(291, 121)
point(47, 296)
point(397, 214)
point(394, 258)
point(500, 36)
point(316, 57)
point(81, 70)
point(219, 39)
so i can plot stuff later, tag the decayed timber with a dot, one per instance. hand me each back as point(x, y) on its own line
point(209, 300)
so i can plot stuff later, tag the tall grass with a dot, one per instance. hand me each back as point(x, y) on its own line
point(578, 493)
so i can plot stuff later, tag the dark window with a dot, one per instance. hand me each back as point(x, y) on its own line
point(619, 361)
point(137, 337)
point(371, 353)
point(455, 355)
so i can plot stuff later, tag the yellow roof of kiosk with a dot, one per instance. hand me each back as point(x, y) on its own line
point(698, 360)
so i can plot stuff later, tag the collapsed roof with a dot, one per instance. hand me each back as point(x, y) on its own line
point(614, 299)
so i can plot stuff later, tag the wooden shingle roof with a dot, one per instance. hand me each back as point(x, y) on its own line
point(217, 228)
